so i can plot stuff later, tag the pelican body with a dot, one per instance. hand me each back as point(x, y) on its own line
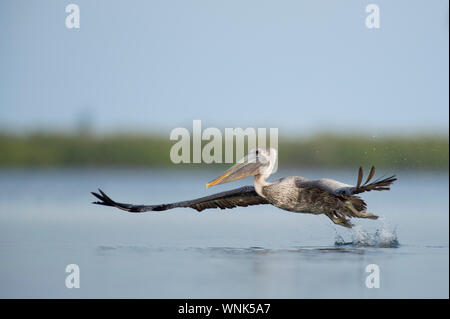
point(336, 200)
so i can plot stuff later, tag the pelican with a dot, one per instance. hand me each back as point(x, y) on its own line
point(336, 200)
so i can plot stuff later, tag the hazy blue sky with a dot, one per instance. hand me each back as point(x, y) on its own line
point(297, 65)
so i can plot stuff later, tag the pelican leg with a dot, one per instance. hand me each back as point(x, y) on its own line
point(368, 215)
point(361, 214)
point(342, 221)
point(365, 214)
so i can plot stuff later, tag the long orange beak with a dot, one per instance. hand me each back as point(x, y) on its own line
point(238, 171)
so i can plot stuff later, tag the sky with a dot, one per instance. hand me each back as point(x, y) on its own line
point(301, 66)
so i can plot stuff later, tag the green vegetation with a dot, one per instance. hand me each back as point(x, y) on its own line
point(67, 150)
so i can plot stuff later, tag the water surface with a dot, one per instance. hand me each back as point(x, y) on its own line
point(47, 222)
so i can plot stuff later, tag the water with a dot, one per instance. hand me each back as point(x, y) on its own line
point(47, 222)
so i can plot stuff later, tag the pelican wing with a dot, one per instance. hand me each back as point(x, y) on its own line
point(338, 188)
point(243, 196)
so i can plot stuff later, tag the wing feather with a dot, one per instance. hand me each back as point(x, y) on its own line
point(243, 196)
point(338, 188)
point(360, 176)
point(371, 173)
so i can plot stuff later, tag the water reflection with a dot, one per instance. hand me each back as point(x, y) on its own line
point(238, 251)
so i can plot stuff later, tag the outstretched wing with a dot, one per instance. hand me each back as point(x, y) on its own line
point(243, 196)
point(338, 188)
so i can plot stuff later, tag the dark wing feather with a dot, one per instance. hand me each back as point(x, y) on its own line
point(360, 176)
point(380, 184)
point(372, 172)
point(243, 196)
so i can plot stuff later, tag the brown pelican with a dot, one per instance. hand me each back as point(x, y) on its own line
point(295, 194)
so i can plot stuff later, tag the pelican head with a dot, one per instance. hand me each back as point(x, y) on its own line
point(259, 161)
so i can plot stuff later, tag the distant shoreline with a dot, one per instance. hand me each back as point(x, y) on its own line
point(140, 150)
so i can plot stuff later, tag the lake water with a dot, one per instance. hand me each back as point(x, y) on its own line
point(47, 222)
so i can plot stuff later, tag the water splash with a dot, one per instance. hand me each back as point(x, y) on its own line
point(385, 237)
